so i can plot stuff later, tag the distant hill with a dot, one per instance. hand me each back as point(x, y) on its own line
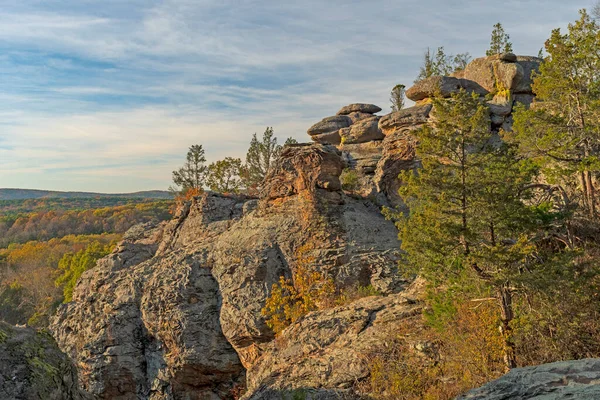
point(23, 194)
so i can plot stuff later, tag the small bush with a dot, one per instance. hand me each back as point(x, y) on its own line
point(465, 353)
point(350, 179)
point(307, 291)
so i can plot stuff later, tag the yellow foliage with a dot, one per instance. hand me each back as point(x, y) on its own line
point(307, 291)
point(466, 354)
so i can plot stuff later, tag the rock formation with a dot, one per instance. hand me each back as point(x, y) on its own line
point(379, 153)
point(175, 311)
point(32, 367)
point(556, 381)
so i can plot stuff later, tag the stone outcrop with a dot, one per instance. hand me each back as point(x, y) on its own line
point(556, 381)
point(32, 367)
point(379, 154)
point(175, 310)
point(329, 348)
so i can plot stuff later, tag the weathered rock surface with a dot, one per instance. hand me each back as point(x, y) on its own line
point(363, 131)
point(330, 124)
point(329, 348)
point(359, 107)
point(149, 330)
point(493, 73)
point(426, 88)
point(399, 154)
point(362, 156)
point(329, 138)
point(556, 381)
point(175, 311)
point(529, 65)
point(32, 367)
point(405, 118)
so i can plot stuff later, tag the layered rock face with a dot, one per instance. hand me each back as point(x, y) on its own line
point(378, 148)
point(32, 367)
point(175, 310)
point(556, 381)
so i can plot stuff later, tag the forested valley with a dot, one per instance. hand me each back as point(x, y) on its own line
point(46, 244)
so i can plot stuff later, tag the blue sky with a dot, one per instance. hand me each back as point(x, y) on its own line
point(108, 95)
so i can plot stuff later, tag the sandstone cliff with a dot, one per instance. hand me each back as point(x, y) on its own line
point(175, 311)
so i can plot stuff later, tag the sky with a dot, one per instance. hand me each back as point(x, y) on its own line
point(108, 95)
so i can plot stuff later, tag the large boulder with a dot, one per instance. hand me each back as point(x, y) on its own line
point(399, 154)
point(359, 107)
point(330, 124)
point(329, 137)
point(32, 367)
point(405, 118)
point(493, 74)
point(150, 330)
point(556, 381)
point(362, 131)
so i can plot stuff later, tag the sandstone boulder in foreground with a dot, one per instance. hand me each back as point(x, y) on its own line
point(556, 381)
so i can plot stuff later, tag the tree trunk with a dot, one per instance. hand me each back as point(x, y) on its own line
point(505, 297)
point(590, 194)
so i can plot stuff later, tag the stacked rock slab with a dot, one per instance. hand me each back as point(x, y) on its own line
point(379, 153)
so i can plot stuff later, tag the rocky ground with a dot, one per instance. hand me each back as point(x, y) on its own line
point(175, 311)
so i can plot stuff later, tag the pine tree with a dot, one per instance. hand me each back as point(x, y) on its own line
point(193, 173)
point(499, 42)
point(224, 175)
point(563, 129)
point(259, 159)
point(397, 97)
point(468, 215)
point(441, 63)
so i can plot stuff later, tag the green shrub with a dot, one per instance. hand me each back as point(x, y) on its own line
point(350, 179)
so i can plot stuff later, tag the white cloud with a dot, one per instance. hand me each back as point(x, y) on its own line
point(121, 89)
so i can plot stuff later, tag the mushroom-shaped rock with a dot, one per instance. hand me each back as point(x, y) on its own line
point(330, 124)
point(404, 118)
point(363, 131)
point(359, 107)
